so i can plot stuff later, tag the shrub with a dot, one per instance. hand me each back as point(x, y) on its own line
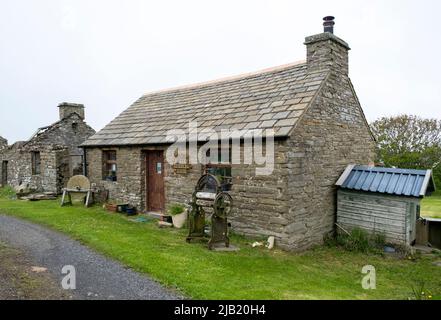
point(176, 208)
point(358, 240)
point(7, 192)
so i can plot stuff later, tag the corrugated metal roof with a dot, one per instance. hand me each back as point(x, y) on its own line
point(403, 182)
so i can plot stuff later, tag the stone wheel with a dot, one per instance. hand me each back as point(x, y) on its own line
point(78, 183)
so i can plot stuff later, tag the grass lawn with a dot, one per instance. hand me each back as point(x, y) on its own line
point(251, 273)
point(431, 206)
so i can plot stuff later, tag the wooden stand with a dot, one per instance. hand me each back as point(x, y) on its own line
point(67, 194)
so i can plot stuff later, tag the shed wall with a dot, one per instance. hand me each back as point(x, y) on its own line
point(393, 216)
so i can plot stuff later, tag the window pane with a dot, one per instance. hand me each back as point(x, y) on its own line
point(109, 165)
point(36, 163)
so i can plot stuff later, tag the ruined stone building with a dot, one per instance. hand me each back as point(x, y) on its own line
point(51, 156)
point(319, 128)
point(3, 143)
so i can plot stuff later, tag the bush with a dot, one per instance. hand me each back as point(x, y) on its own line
point(7, 192)
point(176, 208)
point(358, 241)
point(437, 176)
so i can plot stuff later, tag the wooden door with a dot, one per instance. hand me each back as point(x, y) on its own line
point(155, 181)
point(4, 180)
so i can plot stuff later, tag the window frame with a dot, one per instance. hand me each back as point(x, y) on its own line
point(107, 162)
point(36, 163)
point(225, 180)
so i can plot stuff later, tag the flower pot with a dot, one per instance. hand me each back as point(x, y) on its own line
point(111, 207)
point(122, 207)
point(130, 211)
point(179, 219)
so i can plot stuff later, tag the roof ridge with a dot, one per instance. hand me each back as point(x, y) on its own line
point(227, 78)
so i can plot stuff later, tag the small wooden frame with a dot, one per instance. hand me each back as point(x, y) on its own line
point(67, 196)
point(179, 168)
point(77, 184)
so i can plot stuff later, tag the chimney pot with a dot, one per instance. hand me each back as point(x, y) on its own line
point(328, 24)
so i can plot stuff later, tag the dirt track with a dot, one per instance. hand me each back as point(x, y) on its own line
point(18, 281)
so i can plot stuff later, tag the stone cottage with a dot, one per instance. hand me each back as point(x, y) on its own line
point(51, 156)
point(318, 129)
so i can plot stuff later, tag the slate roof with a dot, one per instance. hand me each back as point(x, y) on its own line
point(402, 182)
point(272, 98)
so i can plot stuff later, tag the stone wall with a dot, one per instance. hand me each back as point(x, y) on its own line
point(332, 134)
point(3, 143)
point(70, 132)
point(18, 164)
point(129, 187)
point(260, 202)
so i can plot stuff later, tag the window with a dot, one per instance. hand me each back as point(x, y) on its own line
point(75, 127)
point(222, 170)
point(109, 165)
point(36, 162)
point(76, 165)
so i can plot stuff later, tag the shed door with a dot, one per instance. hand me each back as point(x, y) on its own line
point(155, 181)
point(413, 216)
point(4, 177)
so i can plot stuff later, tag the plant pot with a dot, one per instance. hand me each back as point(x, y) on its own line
point(130, 211)
point(111, 207)
point(122, 207)
point(179, 219)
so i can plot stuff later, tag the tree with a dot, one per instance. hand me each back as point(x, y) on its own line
point(409, 142)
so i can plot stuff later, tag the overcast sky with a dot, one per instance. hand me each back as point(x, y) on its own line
point(107, 53)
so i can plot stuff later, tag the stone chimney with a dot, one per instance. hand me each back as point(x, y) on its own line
point(325, 51)
point(66, 109)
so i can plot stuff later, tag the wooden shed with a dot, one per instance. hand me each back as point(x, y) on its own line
point(383, 200)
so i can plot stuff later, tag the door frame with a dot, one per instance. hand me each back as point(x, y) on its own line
point(147, 154)
point(4, 173)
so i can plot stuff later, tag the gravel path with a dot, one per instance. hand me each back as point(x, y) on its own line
point(97, 277)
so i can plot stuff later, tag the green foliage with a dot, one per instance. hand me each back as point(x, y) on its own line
point(437, 177)
point(431, 206)
point(7, 191)
point(409, 142)
point(176, 208)
point(379, 240)
point(359, 241)
point(420, 292)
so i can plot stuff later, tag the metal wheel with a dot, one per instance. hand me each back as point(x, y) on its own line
point(208, 182)
point(223, 205)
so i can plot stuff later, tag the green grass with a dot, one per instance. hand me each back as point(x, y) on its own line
point(251, 273)
point(431, 206)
